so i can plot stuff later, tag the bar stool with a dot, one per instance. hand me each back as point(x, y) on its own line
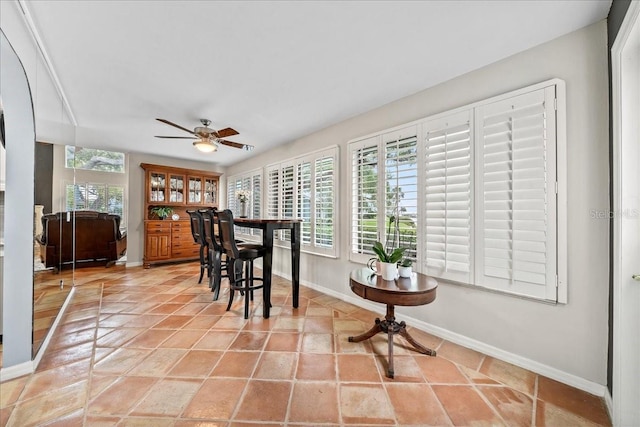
point(243, 255)
point(197, 231)
point(218, 261)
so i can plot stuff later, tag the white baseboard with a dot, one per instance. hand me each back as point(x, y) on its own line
point(30, 367)
point(608, 401)
point(133, 264)
point(523, 362)
point(52, 329)
point(16, 371)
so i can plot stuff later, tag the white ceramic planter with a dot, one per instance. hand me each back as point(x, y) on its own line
point(388, 270)
point(404, 271)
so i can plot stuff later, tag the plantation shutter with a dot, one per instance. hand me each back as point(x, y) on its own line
point(287, 180)
point(304, 200)
point(324, 202)
point(256, 197)
point(516, 240)
point(256, 194)
point(448, 197)
point(364, 197)
point(401, 190)
point(273, 191)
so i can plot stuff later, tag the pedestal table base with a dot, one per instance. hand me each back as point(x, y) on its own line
point(390, 327)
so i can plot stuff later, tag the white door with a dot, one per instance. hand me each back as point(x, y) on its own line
point(625, 56)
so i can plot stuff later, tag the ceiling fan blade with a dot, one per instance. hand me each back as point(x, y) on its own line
point(231, 143)
point(175, 126)
point(223, 133)
point(174, 137)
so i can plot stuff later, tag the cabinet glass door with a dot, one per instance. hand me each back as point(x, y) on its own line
point(195, 190)
point(210, 191)
point(176, 186)
point(157, 182)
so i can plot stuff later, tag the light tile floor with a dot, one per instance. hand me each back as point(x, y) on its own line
point(149, 348)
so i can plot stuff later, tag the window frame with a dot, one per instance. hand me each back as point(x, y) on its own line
point(247, 181)
point(558, 221)
point(275, 199)
point(104, 187)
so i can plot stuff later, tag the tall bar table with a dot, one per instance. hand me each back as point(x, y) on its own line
point(268, 226)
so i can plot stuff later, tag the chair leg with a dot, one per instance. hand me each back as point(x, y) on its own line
point(231, 292)
point(249, 275)
point(201, 263)
point(247, 284)
point(216, 274)
point(231, 264)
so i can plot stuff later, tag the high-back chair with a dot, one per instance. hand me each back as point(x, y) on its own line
point(217, 259)
point(245, 255)
point(197, 230)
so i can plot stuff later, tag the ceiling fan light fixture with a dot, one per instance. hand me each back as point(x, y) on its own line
point(205, 145)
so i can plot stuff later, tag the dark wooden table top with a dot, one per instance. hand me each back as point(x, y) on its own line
point(238, 220)
point(419, 289)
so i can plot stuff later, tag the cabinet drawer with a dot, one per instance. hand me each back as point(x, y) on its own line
point(158, 231)
point(158, 225)
point(181, 225)
point(185, 241)
point(183, 253)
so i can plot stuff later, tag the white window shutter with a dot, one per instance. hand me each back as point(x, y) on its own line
point(324, 209)
point(256, 194)
point(273, 191)
point(448, 197)
point(401, 190)
point(288, 196)
point(303, 200)
point(365, 171)
point(516, 232)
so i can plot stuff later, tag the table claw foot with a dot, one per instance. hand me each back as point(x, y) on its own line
point(371, 332)
point(416, 345)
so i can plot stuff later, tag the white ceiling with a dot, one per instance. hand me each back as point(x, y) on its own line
point(274, 71)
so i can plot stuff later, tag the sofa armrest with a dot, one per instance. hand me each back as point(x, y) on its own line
point(121, 245)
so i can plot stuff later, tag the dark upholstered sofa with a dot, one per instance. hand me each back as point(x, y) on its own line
point(98, 239)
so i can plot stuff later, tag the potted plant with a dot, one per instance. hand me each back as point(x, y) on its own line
point(162, 212)
point(404, 268)
point(388, 266)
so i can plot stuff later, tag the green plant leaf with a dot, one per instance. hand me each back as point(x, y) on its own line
point(380, 252)
point(396, 255)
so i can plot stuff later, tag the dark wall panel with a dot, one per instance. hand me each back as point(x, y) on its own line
point(44, 176)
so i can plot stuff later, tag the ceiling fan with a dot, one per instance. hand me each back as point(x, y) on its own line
point(208, 139)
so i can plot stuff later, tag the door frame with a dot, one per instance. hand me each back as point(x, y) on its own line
point(624, 406)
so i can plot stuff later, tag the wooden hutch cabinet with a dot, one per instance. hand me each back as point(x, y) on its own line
point(170, 240)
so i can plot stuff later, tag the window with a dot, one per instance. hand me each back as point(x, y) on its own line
point(471, 193)
point(96, 197)
point(251, 182)
point(305, 188)
point(94, 159)
point(385, 169)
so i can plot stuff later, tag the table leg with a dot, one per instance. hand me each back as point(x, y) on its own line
point(295, 263)
point(267, 242)
point(370, 333)
point(390, 327)
point(416, 345)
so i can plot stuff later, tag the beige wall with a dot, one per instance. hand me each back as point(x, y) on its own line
point(568, 341)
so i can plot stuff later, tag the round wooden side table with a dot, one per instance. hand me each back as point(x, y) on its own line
point(418, 289)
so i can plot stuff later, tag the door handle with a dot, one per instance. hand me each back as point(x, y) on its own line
point(636, 277)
